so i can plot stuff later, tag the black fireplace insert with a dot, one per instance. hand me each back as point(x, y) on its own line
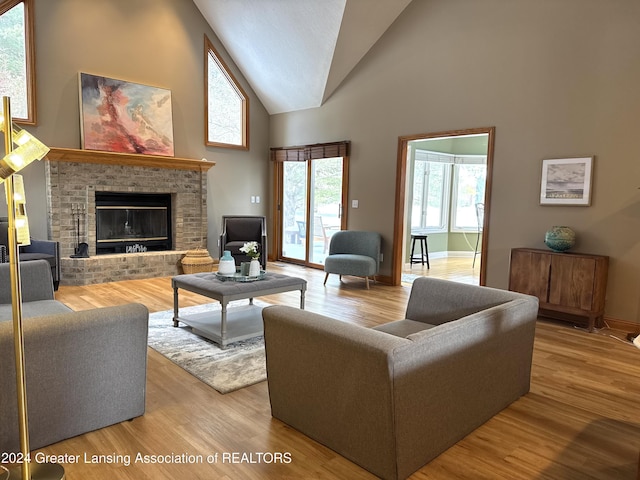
point(132, 222)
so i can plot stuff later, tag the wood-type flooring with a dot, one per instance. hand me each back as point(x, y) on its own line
point(581, 419)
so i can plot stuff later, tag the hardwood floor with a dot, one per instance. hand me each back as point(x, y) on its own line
point(456, 269)
point(579, 421)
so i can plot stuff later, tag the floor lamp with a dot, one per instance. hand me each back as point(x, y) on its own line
point(21, 148)
point(636, 342)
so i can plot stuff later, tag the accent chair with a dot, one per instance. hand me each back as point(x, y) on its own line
point(38, 250)
point(353, 252)
point(239, 229)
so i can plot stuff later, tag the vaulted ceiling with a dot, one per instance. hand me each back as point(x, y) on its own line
point(295, 53)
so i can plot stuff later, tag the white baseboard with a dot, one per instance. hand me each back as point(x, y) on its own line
point(464, 253)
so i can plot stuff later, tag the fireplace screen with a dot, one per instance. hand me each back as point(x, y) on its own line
point(131, 223)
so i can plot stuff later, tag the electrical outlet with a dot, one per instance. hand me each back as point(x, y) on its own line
point(354, 203)
point(253, 199)
point(257, 198)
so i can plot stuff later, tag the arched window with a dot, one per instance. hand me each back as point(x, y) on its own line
point(17, 58)
point(227, 106)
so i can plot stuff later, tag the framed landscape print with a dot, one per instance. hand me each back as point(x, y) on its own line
point(566, 181)
point(125, 117)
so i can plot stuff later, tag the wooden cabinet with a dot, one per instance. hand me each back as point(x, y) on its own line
point(569, 285)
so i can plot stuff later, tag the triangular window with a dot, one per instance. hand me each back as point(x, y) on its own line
point(17, 77)
point(227, 106)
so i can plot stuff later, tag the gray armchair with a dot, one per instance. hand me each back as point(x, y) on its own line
point(239, 229)
point(354, 253)
point(38, 250)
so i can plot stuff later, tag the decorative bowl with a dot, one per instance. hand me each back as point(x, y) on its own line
point(560, 238)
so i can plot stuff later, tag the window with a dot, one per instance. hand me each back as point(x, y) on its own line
point(430, 196)
point(431, 192)
point(17, 71)
point(468, 190)
point(227, 106)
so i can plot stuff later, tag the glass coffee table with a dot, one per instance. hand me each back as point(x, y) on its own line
point(240, 323)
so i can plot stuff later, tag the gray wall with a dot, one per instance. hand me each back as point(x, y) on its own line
point(556, 79)
point(153, 42)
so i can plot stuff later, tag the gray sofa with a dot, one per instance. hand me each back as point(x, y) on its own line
point(85, 370)
point(393, 398)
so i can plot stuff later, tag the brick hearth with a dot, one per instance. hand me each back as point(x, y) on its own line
point(73, 177)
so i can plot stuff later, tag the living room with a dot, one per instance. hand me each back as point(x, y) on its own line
point(555, 80)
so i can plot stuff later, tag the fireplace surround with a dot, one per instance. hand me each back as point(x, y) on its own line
point(73, 177)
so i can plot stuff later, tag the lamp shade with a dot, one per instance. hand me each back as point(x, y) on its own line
point(28, 149)
point(21, 221)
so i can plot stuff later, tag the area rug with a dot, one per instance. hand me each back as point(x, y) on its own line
point(239, 365)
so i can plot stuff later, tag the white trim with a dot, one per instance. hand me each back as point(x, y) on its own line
point(460, 253)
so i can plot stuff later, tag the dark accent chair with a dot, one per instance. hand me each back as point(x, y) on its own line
point(38, 250)
point(239, 229)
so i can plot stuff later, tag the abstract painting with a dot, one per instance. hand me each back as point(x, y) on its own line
point(125, 117)
point(566, 181)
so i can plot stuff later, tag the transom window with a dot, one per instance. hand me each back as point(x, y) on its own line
point(227, 106)
point(17, 77)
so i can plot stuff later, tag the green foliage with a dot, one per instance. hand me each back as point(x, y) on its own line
point(327, 181)
point(13, 75)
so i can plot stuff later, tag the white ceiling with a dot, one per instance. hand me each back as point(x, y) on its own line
point(295, 53)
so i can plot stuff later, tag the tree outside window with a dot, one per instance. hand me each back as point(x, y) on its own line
point(469, 191)
point(16, 58)
point(227, 106)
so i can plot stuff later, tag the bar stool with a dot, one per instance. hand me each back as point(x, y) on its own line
point(424, 250)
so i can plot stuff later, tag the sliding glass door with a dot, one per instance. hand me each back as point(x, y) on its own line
point(294, 210)
point(311, 198)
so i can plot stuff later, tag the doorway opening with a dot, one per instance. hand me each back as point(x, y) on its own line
point(443, 191)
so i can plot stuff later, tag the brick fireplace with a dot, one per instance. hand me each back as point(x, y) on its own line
point(74, 176)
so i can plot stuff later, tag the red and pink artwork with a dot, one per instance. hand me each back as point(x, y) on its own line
point(125, 117)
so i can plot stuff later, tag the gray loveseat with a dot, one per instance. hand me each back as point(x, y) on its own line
point(391, 399)
point(85, 370)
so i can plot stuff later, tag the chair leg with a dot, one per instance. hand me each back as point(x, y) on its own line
point(475, 253)
point(325, 278)
point(367, 280)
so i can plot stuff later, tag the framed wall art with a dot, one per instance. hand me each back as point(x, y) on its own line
point(566, 181)
point(125, 117)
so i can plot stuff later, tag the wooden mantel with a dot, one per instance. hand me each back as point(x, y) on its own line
point(133, 159)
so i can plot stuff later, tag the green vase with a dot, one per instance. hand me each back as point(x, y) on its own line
point(560, 239)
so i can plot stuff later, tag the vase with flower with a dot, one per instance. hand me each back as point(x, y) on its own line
point(251, 249)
